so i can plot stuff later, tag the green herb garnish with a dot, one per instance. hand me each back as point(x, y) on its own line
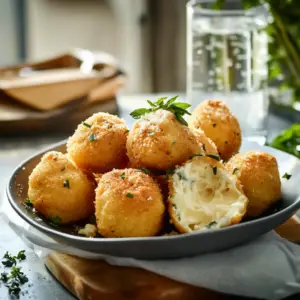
point(67, 183)
point(170, 171)
point(179, 109)
point(214, 170)
point(16, 278)
point(123, 175)
point(211, 224)
point(14, 288)
point(87, 125)
point(150, 133)
point(92, 137)
point(28, 203)
point(216, 157)
point(129, 195)
point(56, 220)
point(287, 176)
point(4, 277)
point(288, 140)
point(234, 170)
point(18, 275)
point(8, 260)
point(181, 176)
point(144, 170)
point(21, 255)
point(127, 131)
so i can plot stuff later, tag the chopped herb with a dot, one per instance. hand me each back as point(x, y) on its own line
point(144, 170)
point(21, 255)
point(4, 277)
point(174, 205)
point(181, 176)
point(127, 131)
point(196, 154)
point(129, 195)
point(235, 170)
point(28, 203)
point(87, 125)
point(179, 109)
point(17, 274)
point(16, 277)
point(67, 183)
point(62, 169)
point(216, 157)
point(8, 260)
point(173, 143)
point(56, 220)
point(170, 171)
point(123, 175)
point(92, 137)
point(211, 224)
point(214, 170)
point(214, 125)
point(203, 147)
point(150, 133)
point(14, 288)
point(287, 176)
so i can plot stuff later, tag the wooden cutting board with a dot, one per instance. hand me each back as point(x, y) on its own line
point(94, 280)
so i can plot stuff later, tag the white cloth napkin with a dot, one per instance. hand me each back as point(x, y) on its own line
point(267, 268)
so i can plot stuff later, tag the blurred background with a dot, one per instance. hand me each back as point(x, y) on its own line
point(146, 36)
point(112, 55)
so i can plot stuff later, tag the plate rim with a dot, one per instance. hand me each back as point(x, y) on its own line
point(53, 232)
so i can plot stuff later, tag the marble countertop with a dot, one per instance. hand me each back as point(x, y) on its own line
point(15, 149)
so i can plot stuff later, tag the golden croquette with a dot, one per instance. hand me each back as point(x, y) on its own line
point(128, 204)
point(59, 190)
point(218, 124)
point(259, 176)
point(159, 141)
point(203, 195)
point(206, 144)
point(99, 143)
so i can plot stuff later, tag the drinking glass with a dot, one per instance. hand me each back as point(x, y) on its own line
point(227, 52)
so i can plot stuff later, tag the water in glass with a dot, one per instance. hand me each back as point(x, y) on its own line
point(227, 60)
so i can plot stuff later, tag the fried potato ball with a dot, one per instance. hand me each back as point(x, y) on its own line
point(206, 144)
point(203, 196)
point(159, 141)
point(218, 124)
point(259, 176)
point(128, 204)
point(99, 143)
point(59, 190)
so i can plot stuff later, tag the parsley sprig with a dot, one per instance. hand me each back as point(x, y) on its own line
point(16, 278)
point(179, 109)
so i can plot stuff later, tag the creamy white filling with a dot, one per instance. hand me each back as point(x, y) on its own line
point(203, 199)
point(151, 121)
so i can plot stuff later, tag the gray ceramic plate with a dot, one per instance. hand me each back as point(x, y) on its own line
point(165, 246)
